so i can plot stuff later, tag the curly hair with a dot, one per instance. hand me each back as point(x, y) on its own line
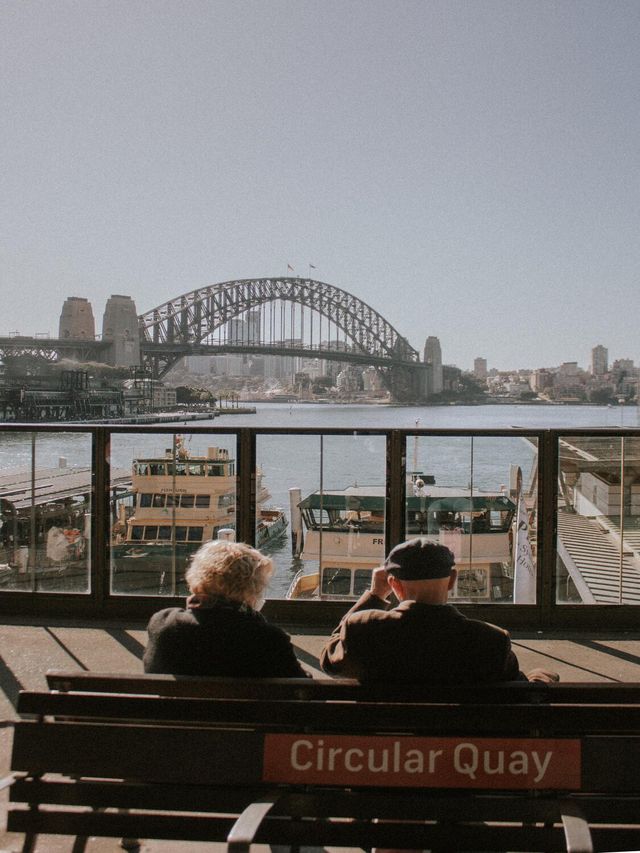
point(231, 569)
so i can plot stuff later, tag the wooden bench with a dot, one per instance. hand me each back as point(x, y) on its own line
point(328, 763)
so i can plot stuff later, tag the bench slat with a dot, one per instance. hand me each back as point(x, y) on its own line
point(151, 753)
point(314, 833)
point(359, 804)
point(340, 688)
point(225, 756)
point(380, 716)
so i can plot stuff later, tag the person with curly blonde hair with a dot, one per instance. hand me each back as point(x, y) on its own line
point(221, 631)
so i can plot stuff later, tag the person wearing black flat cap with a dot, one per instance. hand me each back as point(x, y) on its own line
point(423, 639)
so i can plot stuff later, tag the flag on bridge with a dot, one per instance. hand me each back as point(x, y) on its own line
point(290, 268)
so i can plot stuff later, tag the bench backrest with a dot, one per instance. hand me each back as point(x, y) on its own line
point(303, 732)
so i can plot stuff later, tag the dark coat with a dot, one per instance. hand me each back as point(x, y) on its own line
point(222, 638)
point(418, 643)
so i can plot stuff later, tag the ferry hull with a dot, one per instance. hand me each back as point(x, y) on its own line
point(158, 569)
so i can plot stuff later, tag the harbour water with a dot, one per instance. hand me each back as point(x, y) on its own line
point(335, 462)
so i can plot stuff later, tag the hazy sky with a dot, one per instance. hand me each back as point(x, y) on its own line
point(469, 169)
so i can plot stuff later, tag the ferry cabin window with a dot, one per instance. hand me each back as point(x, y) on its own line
point(181, 533)
point(145, 499)
point(331, 520)
point(187, 501)
point(137, 533)
point(194, 534)
point(157, 469)
point(336, 581)
point(203, 501)
point(151, 532)
point(500, 521)
point(196, 469)
point(158, 501)
point(226, 500)
point(164, 533)
point(181, 469)
point(215, 470)
point(472, 583)
point(141, 468)
point(361, 581)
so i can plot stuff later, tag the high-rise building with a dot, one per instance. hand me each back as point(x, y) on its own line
point(120, 326)
point(599, 360)
point(76, 319)
point(480, 368)
point(433, 358)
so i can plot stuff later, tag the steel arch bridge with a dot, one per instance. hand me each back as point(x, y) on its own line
point(280, 316)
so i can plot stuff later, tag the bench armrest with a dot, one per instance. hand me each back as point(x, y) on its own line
point(8, 781)
point(243, 831)
point(576, 829)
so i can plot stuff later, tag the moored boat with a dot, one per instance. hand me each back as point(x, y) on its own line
point(180, 501)
point(343, 534)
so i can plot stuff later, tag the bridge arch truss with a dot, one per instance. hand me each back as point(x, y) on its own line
point(278, 315)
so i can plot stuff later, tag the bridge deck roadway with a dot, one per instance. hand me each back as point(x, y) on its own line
point(27, 651)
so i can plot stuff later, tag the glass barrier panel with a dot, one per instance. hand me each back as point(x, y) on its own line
point(45, 511)
point(478, 497)
point(331, 490)
point(170, 493)
point(598, 540)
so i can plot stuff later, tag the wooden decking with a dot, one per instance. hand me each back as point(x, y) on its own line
point(27, 651)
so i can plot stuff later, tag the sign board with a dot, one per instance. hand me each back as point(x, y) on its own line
point(423, 762)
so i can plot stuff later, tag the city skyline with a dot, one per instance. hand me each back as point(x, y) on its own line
point(470, 170)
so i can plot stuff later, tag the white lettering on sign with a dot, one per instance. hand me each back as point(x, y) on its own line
point(435, 762)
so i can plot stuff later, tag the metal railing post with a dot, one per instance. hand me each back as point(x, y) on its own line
point(394, 525)
point(246, 480)
point(548, 525)
point(100, 551)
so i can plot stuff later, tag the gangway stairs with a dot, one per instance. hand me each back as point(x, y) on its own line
point(591, 555)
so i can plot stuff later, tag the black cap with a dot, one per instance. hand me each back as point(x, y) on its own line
point(419, 559)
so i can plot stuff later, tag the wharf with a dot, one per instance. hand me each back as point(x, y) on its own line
point(27, 651)
point(159, 418)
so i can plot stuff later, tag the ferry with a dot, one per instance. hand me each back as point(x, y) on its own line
point(180, 501)
point(342, 532)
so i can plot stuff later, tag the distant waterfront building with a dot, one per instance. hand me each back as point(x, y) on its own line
point(451, 378)
point(76, 319)
point(372, 381)
point(120, 326)
point(623, 364)
point(164, 397)
point(433, 358)
point(540, 379)
point(599, 360)
point(480, 368)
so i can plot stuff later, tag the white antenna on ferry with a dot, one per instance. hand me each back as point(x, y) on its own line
point(415, 448)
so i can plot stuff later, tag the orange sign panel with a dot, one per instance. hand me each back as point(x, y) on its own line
point(423, 762)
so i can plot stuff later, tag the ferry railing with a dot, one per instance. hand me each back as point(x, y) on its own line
point(546, 614)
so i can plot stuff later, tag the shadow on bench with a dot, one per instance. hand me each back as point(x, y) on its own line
point(298, 762)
